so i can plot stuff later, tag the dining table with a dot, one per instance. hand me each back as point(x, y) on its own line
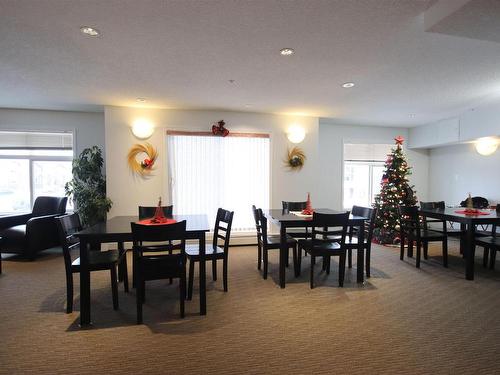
point(286, 219)
point(458, 215)
point(118, 230)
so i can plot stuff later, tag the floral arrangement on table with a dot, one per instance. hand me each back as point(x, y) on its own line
point(308, 210)
point(295, 159)
point(146, 165)
point(219, 129)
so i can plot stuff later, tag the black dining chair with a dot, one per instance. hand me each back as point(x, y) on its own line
point(490, 244)
point(326, 242)
point(413, 230)
point(159, 253)
point(146, 212)
point(351, 241)
point(267, 242)
point(297, 232)
point(68, 225)
point(214, 251)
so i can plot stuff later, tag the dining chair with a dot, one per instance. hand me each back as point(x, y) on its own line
point(68, 225)
point(296, 206)
point(491, 244)
point(159, 253)
point(351, 241)
point(146, 212)
point(214, 251)
point(413, 230)
point(326, 242)
point(267, 242)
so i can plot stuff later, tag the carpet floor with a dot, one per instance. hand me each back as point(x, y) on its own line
point(402, 320)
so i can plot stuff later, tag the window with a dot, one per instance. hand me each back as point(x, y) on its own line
point(33, 164)
point(363, 170)
point(208, 172)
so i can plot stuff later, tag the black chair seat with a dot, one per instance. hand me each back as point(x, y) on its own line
point(427, 234)
point(274, 240)
point(488, 241)
point(98, 260)
point(210, 252)
point(325, 247)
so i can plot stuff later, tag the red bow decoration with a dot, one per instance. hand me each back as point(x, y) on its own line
point(219, 129)
point(399, 140)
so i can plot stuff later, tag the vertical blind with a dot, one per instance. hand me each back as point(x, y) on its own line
point(209, 172)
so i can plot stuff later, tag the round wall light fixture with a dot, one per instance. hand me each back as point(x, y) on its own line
point(142, 128)
point(296, 134)
point(486, 146)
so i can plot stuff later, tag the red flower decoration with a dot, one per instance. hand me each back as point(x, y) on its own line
point(219, 129)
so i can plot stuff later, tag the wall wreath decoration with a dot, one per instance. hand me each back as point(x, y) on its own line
point(295, 159)
point(144, 167)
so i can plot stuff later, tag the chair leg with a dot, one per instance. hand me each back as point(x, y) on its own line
point(426, 249)
point(191, 279)
point(311, 276)
point(114, 286)
point(224, 272)
point(402, 250)
point(287, 264)
point(486, 253)
point(69, 293)
point(294, 254)
point(299, 260)
point(125, 272)
point(266, 262)
point(214, 269)
point(182, 290)
point(134, 270)
point(419, 250)
point(171, 279)
point(367, 260)
point(493, 256)
point(349, 258)
point(410, 247)
point(143, 291)
point(445, 252)
point(259, 257)
point(327, 259)
point(342, 269)
point(139, 292)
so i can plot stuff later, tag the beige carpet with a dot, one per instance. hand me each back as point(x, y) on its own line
point(403, 320)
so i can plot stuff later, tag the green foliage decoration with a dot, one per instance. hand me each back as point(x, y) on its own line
point(88, 187)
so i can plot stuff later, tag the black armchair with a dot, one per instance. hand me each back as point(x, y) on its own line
point(27, 234)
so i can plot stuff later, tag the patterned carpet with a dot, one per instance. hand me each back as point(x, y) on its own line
point(403, 320)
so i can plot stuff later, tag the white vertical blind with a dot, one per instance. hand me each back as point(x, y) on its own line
point(209, 172)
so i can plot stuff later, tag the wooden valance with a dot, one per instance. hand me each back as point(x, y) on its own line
point(210, 134)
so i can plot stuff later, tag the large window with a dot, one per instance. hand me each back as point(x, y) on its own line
point(208, 172)
point(363, 170)
point(33, 164)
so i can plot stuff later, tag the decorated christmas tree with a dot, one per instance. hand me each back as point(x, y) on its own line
point(395, 191)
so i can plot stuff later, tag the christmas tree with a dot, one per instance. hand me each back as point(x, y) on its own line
point(395, 191)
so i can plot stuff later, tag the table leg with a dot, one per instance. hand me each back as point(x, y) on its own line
point(121, 270)
point(283, 254)
point(361, 254)
point(84, 284)
point(469, 252)
point(202, 267)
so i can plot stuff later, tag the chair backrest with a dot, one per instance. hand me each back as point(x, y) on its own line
point(261, 226)
point(67, 226)
point(494, 226)
point(49, 206)
point(222, 229)
point(159, 237)
point(293, 206)
point(409, 220)
point(145, 212)
point(326, 228)
point(432, 205)
point(371, 214)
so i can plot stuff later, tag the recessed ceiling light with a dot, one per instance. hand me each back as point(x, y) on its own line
point(90, 31)
point(348, 85)
point(412, 115)
point(286, 51)
point(141, 100)
point(231, 80)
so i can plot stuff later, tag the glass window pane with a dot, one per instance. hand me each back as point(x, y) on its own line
point(14, 186)
point(49, 178)
point(378, 171)
point(356, 185)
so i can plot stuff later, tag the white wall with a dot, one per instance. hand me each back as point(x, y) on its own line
point(331, 140)
point(88, 128)
point(128, 191)
point(457, 170)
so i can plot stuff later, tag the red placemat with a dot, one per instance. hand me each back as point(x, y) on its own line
point(472, 213)
point(156, 222)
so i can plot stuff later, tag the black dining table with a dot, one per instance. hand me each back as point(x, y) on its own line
point(118, 230)
point(285, 219)
point(470, 221)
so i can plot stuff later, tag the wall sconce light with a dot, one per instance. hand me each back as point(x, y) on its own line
point(296, 134)
point(486, 146)
point(142, 128)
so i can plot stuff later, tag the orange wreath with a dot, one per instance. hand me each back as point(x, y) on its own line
point(144, 167)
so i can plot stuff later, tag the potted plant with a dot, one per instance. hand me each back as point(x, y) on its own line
point(88, 187)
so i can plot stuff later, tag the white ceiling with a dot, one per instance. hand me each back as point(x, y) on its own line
point(182, 54)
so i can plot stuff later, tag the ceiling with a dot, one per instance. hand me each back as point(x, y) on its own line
point(183, 54)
